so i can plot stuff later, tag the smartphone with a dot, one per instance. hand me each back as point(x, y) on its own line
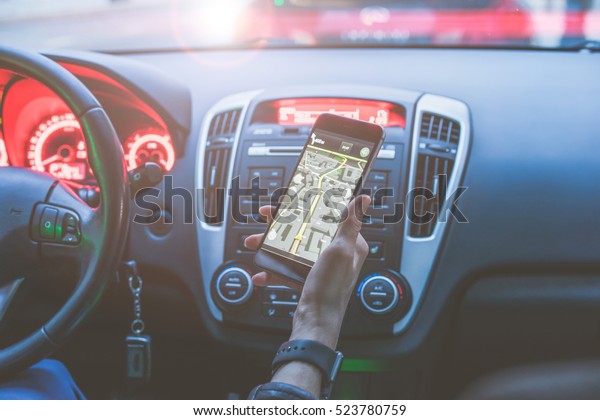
point(335, 160)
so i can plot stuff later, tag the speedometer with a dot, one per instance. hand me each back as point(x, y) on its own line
point(150, 145)
point(57, 147)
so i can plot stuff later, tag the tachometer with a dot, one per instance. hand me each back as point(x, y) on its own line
point(57, 147)
point(150, 145)
point(3, 154)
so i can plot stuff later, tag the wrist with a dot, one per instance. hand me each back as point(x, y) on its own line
point(317, 326)
point(318, 361)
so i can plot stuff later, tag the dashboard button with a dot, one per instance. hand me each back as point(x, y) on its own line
point(379, 294)
point(375, 186)
point(293, 296)
point(387, 154)
point(270, 311)
point(375, 250)
point(246, 206)
point(278, 310)
point(266, 173)
point(48, 223)
point(257, 151)
point(373, 222)
point(271, 183)
point(274, 294)
point(378, 177)
point(280, 294)
point(234, 286)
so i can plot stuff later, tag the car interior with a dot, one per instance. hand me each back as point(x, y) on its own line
point(133, 149)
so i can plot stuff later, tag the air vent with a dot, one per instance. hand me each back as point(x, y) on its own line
point(224, 124)
point(221, 136)
point(436, 127)
point(438, 144)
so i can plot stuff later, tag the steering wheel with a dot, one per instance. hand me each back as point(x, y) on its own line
point(42, 220)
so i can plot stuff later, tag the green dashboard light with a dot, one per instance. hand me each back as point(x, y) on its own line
point(364, 365)
point(278, 2)
point(58, 231)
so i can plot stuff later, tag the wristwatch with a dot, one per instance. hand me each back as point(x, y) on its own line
point(328, 361)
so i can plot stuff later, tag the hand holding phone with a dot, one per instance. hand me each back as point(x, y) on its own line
point(330, 283)
point(326, 292)
point(335, 160)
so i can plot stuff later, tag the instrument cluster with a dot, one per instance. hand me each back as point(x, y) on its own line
point(57, 146)
point(40, 132)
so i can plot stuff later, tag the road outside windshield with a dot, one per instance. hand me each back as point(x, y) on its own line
point(137, 25)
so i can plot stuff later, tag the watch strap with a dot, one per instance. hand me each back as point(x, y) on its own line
point(279, 391)
point(328, 361)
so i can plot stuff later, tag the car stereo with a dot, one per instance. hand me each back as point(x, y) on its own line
point(249, 147)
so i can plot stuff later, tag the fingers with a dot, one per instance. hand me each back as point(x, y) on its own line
point(268, 212)
point(261, 279)
point(352, 219)
point(266, 279)
point(252, 242)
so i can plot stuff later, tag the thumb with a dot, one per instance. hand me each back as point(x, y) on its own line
point(352, 218)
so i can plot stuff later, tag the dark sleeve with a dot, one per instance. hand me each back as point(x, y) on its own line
point(279, 391)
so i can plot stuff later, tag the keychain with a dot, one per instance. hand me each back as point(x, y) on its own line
point(139, 356)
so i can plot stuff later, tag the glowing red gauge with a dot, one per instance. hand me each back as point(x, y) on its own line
point(57, 147)
point(3, 154)
point(149, 146)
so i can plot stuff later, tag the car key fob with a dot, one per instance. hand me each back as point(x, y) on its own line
point(139, 357)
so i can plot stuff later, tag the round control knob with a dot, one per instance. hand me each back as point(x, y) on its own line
point(234, 285)
point(379, 294)
point(382, 293)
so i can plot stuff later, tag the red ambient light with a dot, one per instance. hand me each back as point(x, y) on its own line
point(304, 111)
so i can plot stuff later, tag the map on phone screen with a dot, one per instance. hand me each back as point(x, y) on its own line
point(319, 191)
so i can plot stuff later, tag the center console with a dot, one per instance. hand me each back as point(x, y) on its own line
point(249, 147)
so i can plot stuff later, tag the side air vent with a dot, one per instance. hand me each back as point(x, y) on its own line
point(221, 135)
point(438, 144)
point(224, 124)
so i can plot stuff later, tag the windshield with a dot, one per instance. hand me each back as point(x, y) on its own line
point(130, 25)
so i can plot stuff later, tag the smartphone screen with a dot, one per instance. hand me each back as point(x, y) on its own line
point(321, 187)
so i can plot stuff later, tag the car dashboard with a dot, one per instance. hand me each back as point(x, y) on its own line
point(258, 136)
point(511, 132)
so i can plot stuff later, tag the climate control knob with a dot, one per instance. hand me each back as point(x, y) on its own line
point(382, 293)
point(234, 285)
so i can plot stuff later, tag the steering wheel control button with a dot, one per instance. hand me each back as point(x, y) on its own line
point(55, 224)
point(70, 220)
point(234, 286)
point(71, 234)
point(379, 294)
point(48, 223)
